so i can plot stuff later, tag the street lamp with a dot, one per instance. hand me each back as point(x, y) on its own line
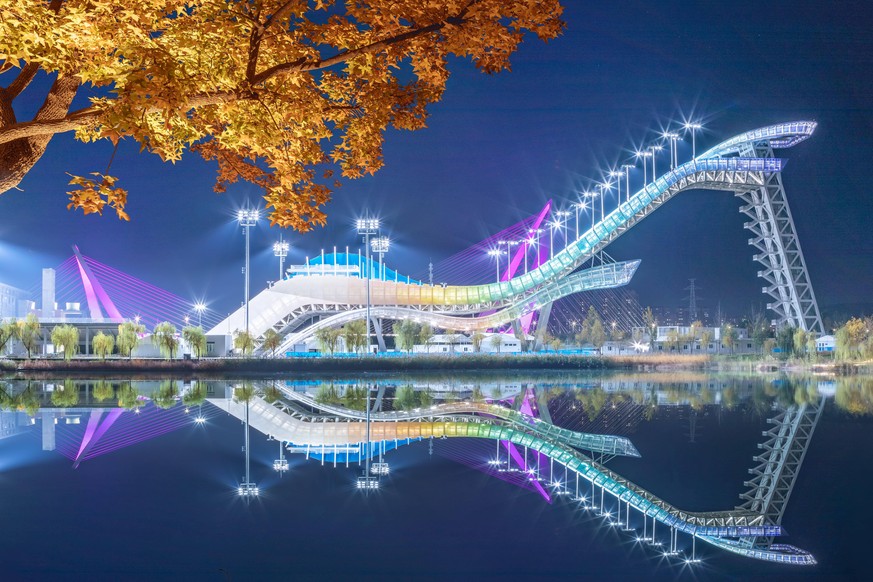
point(693, 128)
point(626, 168)
point(673, 137)
point(247, 219)
point(367, 227)
point(655, 149)
point(605, 186)
point(509, 244)
point(496, 254)
point(533, 239)
point(380, 246)
point(280, 249)
point(200, 307)
point(563, 219)
point(581, 205)
point(644, 154)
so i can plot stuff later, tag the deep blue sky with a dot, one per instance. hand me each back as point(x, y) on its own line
point(498, 146)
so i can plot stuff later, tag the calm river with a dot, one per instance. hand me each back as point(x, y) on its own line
point(146, 480)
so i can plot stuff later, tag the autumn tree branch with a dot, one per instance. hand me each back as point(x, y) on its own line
point(91, 114)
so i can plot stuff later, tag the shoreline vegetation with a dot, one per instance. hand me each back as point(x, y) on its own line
point(220, 367)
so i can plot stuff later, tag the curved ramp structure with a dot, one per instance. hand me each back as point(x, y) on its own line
point(598, 443)
point(725, 529)
point(600, 277)
point(744, 164)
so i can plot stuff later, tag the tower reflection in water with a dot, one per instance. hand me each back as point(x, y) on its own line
point(549, 436)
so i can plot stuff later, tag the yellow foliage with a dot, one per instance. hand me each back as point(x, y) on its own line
point(274, 91)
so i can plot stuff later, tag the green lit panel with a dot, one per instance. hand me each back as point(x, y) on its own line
point(563, 259)
point(494, 293)
point(546, 271)
point(573, 251)
point(516, 286)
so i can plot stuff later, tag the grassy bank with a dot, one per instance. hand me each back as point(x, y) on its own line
point(217, 367)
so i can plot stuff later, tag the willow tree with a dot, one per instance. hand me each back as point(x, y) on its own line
point(66, 337)
point(103, 344)
point(129, 333)
point(164, 338)
point(27, 332)
point(280, 93)
point(196, 339)
point(272, 341)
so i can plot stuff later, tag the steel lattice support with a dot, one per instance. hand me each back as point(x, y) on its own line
point(776, 472)
point(775, 239)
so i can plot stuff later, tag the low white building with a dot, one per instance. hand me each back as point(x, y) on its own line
point(462, 344)
point(826, 344)
point(456, 343)
point(509, 344)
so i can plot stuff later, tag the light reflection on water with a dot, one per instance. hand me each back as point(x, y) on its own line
point(97, 418)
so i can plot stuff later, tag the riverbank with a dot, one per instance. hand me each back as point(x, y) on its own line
point(230, 367)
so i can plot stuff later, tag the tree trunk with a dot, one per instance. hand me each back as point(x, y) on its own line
point(19, 156)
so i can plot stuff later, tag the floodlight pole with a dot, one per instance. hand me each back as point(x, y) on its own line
point(280, 249)
point(366, 227)
point(247, 218)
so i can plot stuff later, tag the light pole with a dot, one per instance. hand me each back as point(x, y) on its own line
point(247, 219)
point(617, 175)
point(592, 195)
point(563, 219)
point(605, 186)
point(532, 239)
point(200, 307)
point(380, 246)
point(673, 137)
point(577, 207)
point(247, 489)
point(655, 149)
point(509, 244)
point(644, 154)
point(693, 128)
point(280, 249)
point(626, 169)
point(496, 254)
point(366, 228)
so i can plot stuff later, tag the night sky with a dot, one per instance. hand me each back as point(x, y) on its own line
point(497, 147)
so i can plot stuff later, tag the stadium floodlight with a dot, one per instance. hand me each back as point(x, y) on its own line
point(380, 246)
point(367, 227)
point(247, 218)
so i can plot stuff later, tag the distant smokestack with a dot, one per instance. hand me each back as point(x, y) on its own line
point(48, 293)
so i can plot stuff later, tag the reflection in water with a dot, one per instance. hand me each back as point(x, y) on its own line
point(554, 434)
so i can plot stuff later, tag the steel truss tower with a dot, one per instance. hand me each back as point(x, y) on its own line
point(779, 252)
point(774, 476)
